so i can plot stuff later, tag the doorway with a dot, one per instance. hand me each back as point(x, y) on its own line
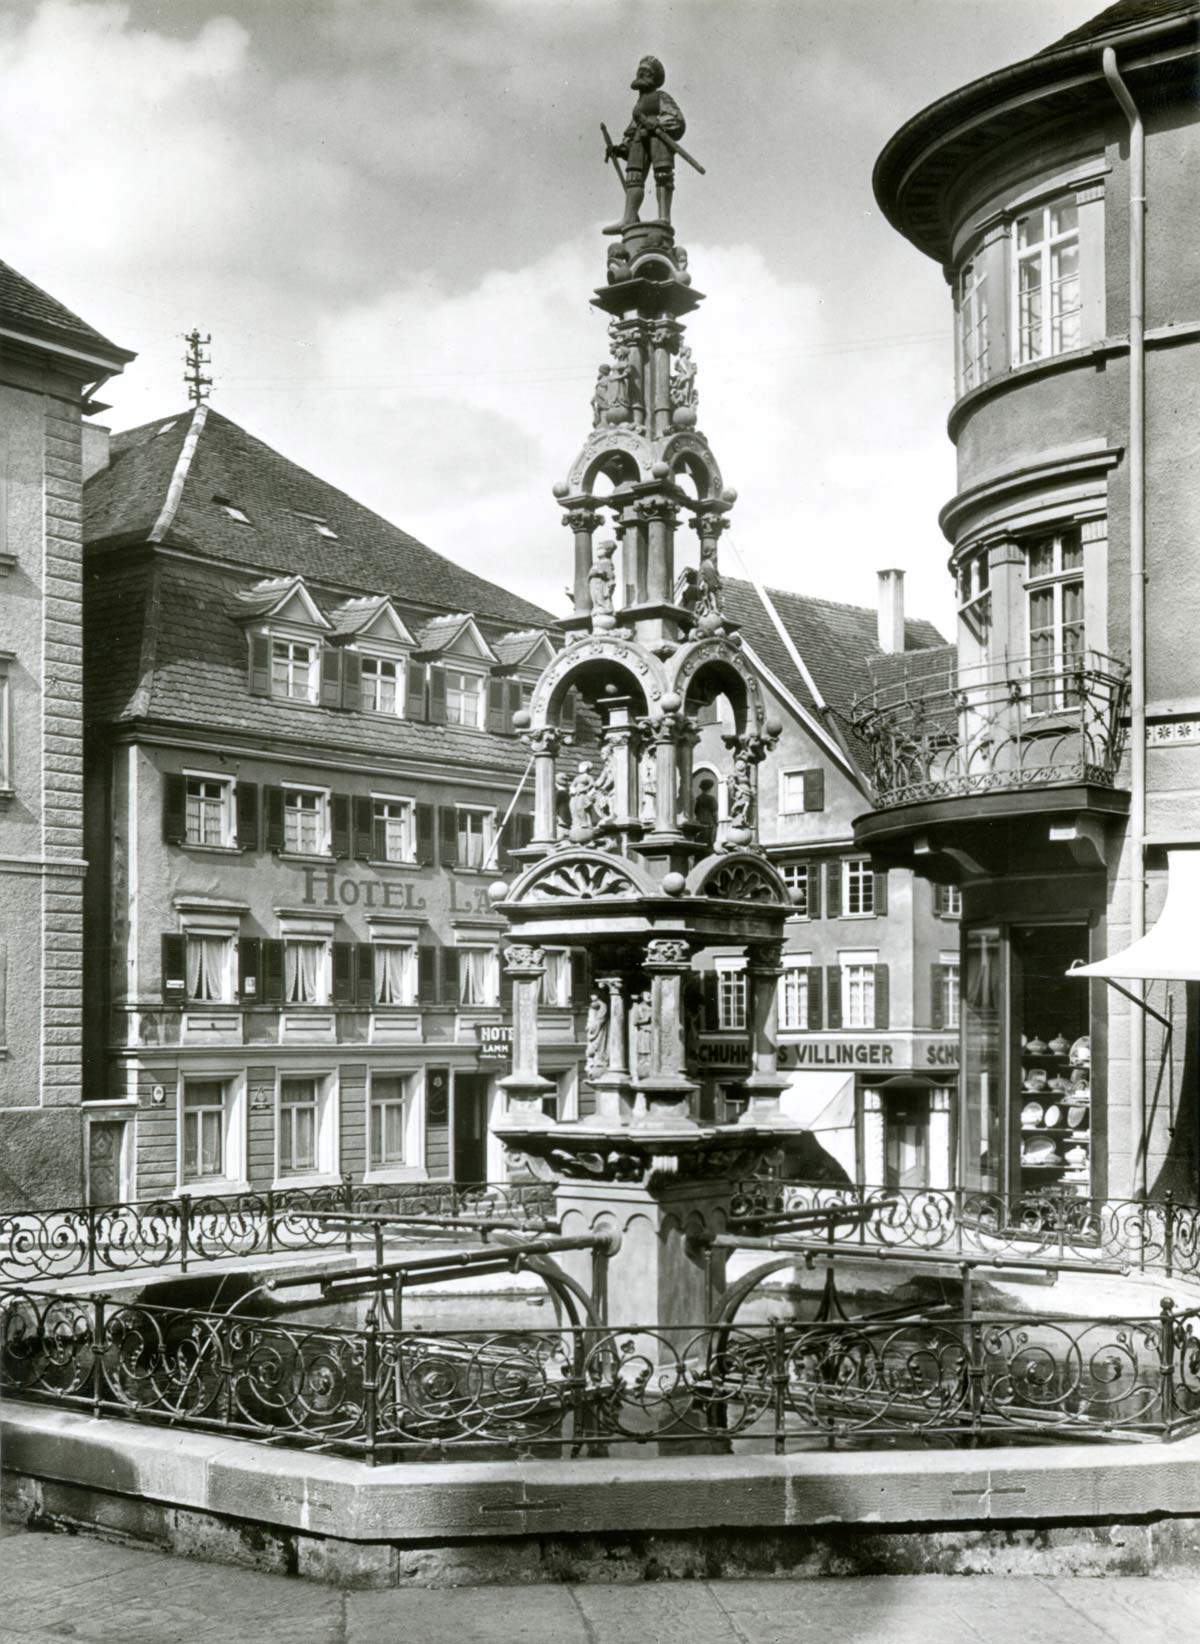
point(470, 1126)
point(106, 1160)
point(906, 1140)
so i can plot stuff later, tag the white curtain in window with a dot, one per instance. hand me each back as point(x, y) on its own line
point(301, 972)
point(206, 956)
point(391, 975)
point(475, 980)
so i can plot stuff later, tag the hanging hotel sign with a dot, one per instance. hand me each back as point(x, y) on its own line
point(495, 1041)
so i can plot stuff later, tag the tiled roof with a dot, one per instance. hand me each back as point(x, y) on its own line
point(123, 502)
point(162, 642)
point(355, 614)
point(26, 306)
point(836, 642)
point(1126, 14)
point(512, 649)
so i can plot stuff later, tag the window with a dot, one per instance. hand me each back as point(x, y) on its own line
point(1047, 281)
point(858, 991)
point(858, 886)
point(1054, 581)
point(801, 791)
point(475, 830)
point(392, 831)
point(556, 981)
point(972, 325)
point(209, 962)
point(294, 670)
point(395, 968)
point(947, 901)
point(305, 822)
point(209, 811)
point(793, 993)
point(297, 1126)
point(731, 1000)
point(6, 657)
point(464, 698)
point(478, 976)
point(389, 1116)
point(305, 972)
point(203, 1130)
point(975, 596)
point(382, 685)
point(948, 983)
point(797, 876)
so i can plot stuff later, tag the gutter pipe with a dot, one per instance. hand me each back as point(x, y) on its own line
point(1137, 599)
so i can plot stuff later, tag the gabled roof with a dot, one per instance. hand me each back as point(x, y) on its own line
point(361, 616)
point(169, 472)
point(514, 650)
point(284, 598)
point(457, 631)
point(26, 307)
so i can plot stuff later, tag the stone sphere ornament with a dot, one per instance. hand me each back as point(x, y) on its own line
point(684, 416)
point(674, 884)
point(773, 727)
point(671, 703)
point(498, 890)
point(562, 489)
point(522, 719)
point(729, 495)
point(661, 470)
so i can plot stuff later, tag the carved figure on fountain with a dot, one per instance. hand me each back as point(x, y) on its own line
point(641, 1036)
point(650, 141)
point(602, 395)
point(684, 399)
point(596, 1061)
point(602, 583)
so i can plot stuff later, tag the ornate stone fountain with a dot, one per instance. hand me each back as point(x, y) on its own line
point(619, 864)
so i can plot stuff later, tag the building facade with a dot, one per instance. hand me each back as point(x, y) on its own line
point(1047, 771)
point(51, 363)
point(303, 775)
point(868, 1000)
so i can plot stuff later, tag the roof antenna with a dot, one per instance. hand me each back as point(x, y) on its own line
point(198, 385)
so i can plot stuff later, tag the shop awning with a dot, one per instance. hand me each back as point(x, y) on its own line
point(820, 1101)
point(1171, 951)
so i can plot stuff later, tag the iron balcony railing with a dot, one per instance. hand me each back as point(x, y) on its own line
point(1012, 724)
point(566, 1391)
point(189, 1229)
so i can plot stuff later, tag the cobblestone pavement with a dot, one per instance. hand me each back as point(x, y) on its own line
point(55, 1587)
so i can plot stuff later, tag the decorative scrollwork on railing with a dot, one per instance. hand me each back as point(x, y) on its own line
point(407, 1395)
point(1013, 724)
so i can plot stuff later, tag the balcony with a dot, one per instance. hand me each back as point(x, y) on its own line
point(1003, 727)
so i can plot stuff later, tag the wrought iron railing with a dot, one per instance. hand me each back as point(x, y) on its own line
point(1016, 723)
point(189, 1229)
point(1149, 1236)
point(400, 1395)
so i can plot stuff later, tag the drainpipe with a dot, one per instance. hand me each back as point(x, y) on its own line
point(1137, 597)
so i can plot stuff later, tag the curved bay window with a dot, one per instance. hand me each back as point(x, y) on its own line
point(1054, 585)
point(975, 596)
point(1047, 291)
point(973, 354)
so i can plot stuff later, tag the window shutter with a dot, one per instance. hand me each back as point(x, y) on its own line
point(339, 814)
point(331, 677)
point(249, 964)
point(365, 973)
point(260, 664)
point(814, 790)
point(939, 901)
point(351, 680)
point(522, 832)
point(271, 971)
point(880, 901)
point(450, 976)
point(437, 694)
point(364, 826)
point(174, 968)
point(882, 1016)
point(516, 700)
point(816, 1015)
point(566, 715)
point(937, 997)
point(246, 795)
point(506, 986)
point(343, 973)
point(273, 818)
point(427, 990)
point(174, 808)
point(415, 705)
point(710, 982)
point(497, 718)
point(425, 835)
point(833, 996)
point(833, 890)
point(448, 836)
point(579, 979)
point(814, 890)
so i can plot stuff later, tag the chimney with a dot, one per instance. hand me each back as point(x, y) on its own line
point(96, 439)
point(891, 611)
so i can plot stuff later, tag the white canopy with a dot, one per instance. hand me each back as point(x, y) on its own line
point(1171, 951)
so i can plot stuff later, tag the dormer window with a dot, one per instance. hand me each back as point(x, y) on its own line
point(464, 698)
point(382, 685)
point(294, 670)
point(238, 515)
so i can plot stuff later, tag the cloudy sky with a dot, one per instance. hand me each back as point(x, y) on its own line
point(386, 212)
